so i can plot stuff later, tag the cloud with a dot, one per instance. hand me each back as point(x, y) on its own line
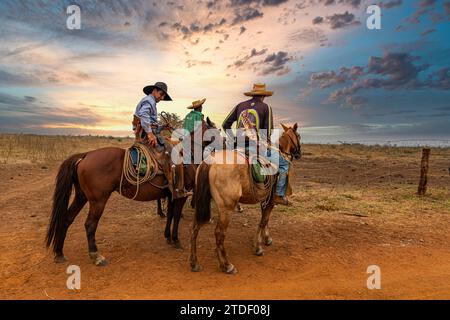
point(331, 78)
point(447, 8)
point(235, 3)
point(352, 3)
point(241, 62)
point(317, 20)
point(337, 20)
point(341, 20)
point(391, 4)
point(427, 32)
point(28, 112)
point(389, 72)
point(245, 14)
point(276, 64)
point(309, 35)
point(191, 63)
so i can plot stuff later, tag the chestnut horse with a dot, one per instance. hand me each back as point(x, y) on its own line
point(229, 183)
point(94, 176)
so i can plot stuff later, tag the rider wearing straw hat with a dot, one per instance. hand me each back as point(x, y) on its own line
point(256, 115)
point(195, 117)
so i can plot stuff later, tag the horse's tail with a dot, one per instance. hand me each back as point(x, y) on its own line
point(202, 194)
point(66, 178)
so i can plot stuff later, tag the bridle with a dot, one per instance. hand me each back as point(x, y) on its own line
point(296, 152)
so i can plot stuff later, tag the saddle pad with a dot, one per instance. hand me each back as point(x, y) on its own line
point(259, 172)
point(135, 155)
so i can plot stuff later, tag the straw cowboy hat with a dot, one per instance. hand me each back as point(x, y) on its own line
point(159, 85)
point(197, 104)
point(259, 89)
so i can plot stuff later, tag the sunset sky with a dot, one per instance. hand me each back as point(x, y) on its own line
point(330, 73)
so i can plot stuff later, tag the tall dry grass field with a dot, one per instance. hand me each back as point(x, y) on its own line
point(25, 148)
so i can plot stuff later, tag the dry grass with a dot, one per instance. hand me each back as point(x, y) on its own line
point(20, 149)
point(362, 181)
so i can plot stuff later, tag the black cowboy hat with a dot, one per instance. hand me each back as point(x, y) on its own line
point(159, 85)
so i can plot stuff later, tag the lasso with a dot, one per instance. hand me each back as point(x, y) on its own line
point(131, 173)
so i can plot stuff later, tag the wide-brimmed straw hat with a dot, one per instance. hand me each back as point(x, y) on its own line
point(197, 104)
point(159, 85)
point(259, 89)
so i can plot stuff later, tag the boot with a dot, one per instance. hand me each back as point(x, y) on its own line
point(282, 200)
point(178, 182)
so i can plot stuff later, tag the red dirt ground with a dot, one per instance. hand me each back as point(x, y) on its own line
point(316, 254)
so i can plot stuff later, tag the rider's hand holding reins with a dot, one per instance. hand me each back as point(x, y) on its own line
point(152, 139)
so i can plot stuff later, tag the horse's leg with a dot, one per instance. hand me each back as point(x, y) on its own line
point(177, 213)
point(193, 201)
point(221, 228)
point(262, 234)
point(160, 210)
point(95, 212)
point(170, 209)
point(77, 204)
point(195, 267)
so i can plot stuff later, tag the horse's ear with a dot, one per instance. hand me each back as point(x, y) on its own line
point(295, 127)
point(208, 121)
point(284, 127)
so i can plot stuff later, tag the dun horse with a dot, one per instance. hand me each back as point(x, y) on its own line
point(94, 176)
point(228, 184)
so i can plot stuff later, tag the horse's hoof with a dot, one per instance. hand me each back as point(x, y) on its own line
point(196, 268)
point(177, 245)
point(231, 269)
point(101, 262)
point(268, 241)
point(259, 252)
point(98, 259)
point(168, 240)
point(60, 259)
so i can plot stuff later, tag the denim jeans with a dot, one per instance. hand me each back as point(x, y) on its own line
point(283, 168)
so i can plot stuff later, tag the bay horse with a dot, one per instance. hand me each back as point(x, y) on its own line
point(94, 176)
point(229, 183)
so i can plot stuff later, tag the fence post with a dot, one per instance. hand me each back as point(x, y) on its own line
point(424, 172)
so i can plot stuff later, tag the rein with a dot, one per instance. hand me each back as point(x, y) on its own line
point(295, 144)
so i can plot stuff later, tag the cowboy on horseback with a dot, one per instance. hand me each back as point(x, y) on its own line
point(194, 118)
point(148, 130)
point(256, 115)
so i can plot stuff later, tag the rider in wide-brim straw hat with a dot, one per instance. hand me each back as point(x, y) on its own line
point(256, 115)
point(195, 117)
point(259, 89)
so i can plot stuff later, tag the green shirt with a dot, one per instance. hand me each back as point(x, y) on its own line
point(190, 120)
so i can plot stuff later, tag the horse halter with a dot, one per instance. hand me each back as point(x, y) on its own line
point(297, 150)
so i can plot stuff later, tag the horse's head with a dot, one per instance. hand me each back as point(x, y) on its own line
point(209, 124)
point(290, 141)
point(206, 125)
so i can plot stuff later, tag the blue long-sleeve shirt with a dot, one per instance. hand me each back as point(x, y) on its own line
point(147, 112)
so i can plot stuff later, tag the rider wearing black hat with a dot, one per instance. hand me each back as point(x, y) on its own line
point(146, 117)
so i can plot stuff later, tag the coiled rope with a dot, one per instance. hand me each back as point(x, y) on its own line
point(131, 173)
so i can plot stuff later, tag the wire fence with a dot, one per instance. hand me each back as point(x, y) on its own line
point(366, 167)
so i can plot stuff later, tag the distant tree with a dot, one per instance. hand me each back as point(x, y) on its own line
point(172, 118)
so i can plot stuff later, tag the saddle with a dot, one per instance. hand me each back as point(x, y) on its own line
point(259, 166)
